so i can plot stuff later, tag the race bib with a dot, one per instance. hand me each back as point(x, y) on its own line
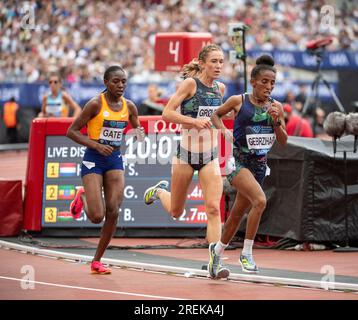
point(260, 141)
point(206, 111)
point(54, 110)
point(112, 132)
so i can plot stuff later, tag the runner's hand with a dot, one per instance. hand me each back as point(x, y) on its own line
point(140, 134)
point(202, 123)
point(273, 111)
point(104, 150)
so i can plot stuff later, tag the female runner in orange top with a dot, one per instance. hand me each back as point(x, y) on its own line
point(106, 117)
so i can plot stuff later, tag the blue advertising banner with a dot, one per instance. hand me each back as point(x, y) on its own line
point(29, 95)
point(337, 60)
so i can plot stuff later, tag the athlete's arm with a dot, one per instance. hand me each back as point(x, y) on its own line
point(133, 114)
point(230, 114)
point(185, 91)
point(89, 111)
point(276, 112)
point(134, 120)
point(72, 104)
point(233, 104)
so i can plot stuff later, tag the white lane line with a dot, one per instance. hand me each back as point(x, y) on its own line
point(248, 277)
point(91, 289)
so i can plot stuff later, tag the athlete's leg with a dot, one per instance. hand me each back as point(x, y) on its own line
point(113, 185)
point(211, 183)
point(230, 228)
point(93, 201)
point(174, 201)
point(241, 204)
point(245, 182)
point(249, 188)
point(212, 186)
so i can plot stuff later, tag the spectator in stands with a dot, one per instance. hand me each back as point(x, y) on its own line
point(295, 124)
point(9, 116)
point(56, 103)
point(154, 104)
point(298, 107)
point(73, 34)
point(290, 98)
point(319, 131)
point(302, 94)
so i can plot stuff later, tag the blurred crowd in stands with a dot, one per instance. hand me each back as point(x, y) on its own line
point(303, 123)
point(80, 38)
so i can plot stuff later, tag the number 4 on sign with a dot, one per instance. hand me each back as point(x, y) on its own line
point(174, 50)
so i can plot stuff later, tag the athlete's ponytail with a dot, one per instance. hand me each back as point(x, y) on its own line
point(193, 67)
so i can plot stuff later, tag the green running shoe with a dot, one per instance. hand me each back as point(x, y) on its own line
point(248, 264)
point(216, 270)
point(150, 195)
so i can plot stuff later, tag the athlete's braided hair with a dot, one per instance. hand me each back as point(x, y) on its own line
point(193, 68)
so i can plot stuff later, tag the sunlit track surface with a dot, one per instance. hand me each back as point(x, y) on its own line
point(170, 277)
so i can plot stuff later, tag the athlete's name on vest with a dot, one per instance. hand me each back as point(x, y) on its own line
point(111, 134)
point(206, 111)
point(65, 152)
point(260, 141)
point(181, 309)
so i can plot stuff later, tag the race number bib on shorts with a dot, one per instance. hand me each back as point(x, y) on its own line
point(206, 111)
point(260, 141)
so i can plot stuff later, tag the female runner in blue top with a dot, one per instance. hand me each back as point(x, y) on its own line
point(259, 121)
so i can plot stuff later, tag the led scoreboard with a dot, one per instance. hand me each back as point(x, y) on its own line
point(144, 166)
point(58, 176)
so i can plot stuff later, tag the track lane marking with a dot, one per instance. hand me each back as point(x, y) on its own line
point(91, 289)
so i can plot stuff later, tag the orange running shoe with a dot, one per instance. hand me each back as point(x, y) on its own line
point(98, 268)
point(76, 206)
